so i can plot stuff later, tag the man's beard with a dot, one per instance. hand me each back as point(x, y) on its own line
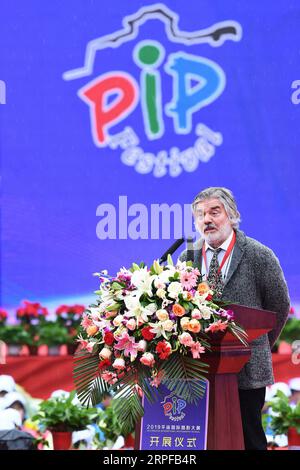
point(216, 239)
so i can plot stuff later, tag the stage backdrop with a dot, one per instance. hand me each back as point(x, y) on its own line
point(115, 114)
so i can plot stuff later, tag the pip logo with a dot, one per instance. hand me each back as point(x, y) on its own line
point(173, 407)
point(159, 94)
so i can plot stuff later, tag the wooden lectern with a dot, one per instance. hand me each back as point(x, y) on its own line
point(227, 358)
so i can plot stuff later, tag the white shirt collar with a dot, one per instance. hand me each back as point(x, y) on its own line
point(224, 245)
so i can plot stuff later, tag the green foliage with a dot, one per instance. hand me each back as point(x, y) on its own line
point(291, 331)
point(184, 375)
point(90, 387)
point(286, 416)
point(60, 414)
point(110, 425)
point(14, 334)
point(181, 375)
point(52, 334)
point(132, 412)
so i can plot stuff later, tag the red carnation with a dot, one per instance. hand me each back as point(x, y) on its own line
point(147, 334)
point(163, 349)
point(109, 338)
point(209, 297)
point(104, 364)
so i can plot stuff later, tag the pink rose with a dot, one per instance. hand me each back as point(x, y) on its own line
point(105, 353)
point(131, 324)
point(119, 364)
point(147, 359)
point(196, 314)
point(186, 339)
point(142, 345)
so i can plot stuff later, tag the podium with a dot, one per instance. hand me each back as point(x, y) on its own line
point(226, 359)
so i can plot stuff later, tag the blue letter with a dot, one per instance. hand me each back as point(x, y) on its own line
point(188, 99)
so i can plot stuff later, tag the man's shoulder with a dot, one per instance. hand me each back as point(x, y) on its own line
point(256, 248)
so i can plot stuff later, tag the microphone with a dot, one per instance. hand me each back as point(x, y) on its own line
point(190, 249)
point(171, 250)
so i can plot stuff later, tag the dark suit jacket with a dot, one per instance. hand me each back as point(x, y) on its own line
point(254, 279)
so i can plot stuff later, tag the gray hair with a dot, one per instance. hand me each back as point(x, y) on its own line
point(226, 197)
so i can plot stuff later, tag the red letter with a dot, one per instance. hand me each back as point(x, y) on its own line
point(103, 115)
point(167, 407)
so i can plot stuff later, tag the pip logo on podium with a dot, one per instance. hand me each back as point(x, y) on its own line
point(142, 105)
point(173, 407)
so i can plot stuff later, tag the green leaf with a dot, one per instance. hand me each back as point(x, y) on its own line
point(185, 376)
point(134, 267)
point(239, 333)
point(116, 285)
point(113, 307)
point(89, 385)
point(130, 414)
point(169, 260)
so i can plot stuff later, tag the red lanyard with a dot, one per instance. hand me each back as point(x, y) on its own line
point(225, 257)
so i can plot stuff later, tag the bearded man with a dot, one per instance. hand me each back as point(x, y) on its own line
point(241, 270)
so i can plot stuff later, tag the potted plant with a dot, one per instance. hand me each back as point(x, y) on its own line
point(31, 315)
point(109, 424)
point(53, 335)
point(62, 416)
point(285, 418)
point(70, 316)
point(15, 337)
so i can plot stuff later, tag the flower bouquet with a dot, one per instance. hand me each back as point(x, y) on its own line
point(149, 326)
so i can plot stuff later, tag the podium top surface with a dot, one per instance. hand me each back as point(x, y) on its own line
point(253, 318)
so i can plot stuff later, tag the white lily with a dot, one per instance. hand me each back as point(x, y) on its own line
point(142, 280)
point(205, 311)
point(103, 323)
point(165, 275)
point(136, 310)
point(159, 329)
point(95, 313)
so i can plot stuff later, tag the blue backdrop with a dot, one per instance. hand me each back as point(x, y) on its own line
point(149, 101)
